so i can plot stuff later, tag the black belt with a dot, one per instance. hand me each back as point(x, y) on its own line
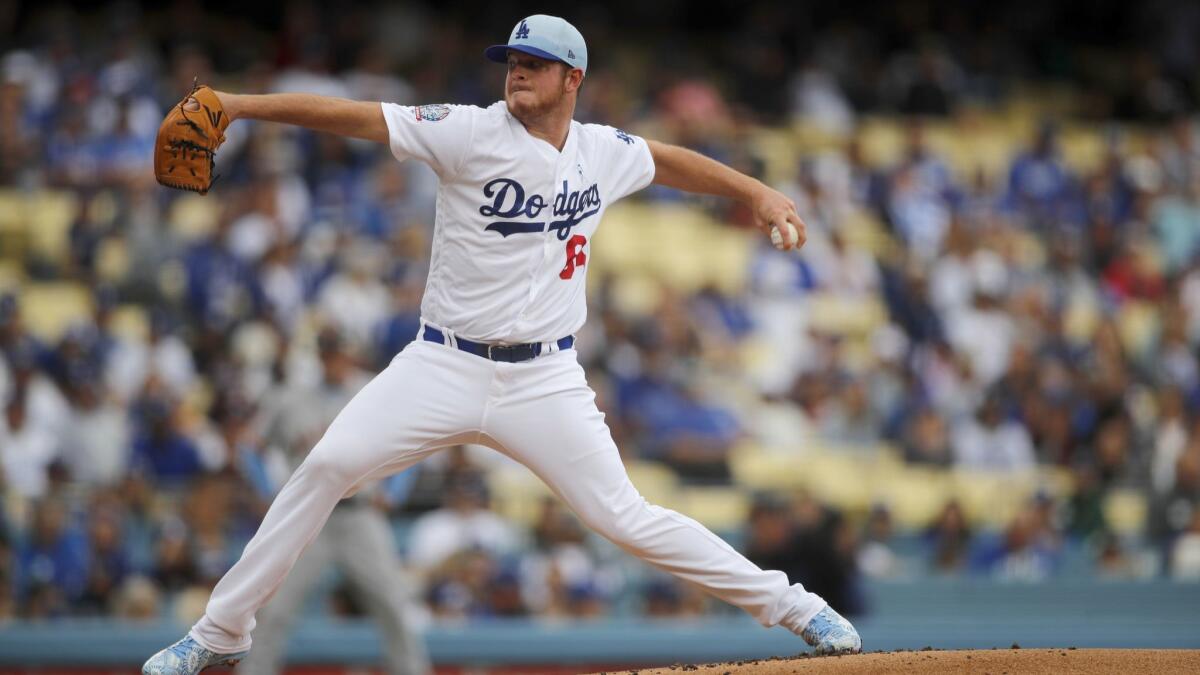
point(505, 353)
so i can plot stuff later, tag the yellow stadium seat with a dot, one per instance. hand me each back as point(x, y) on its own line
point(756, 470)
point(255, 344)
point(654, 480)
point(1125, 511)
point(130, 322)
point(11, 276)
point(842, 479)
point(1056, 481)
point(980, 142)
point(993, 499)
point(1082, 147)
point(193, 217)
point(862, 229)
point(12, 224)
point(843, 315)
point(1080, 321)
point(678, 244)
point(49, 219)
point(882, 141)
point(636, 294)
point(190, 605)
point(112, 260)
point(780, 149)
point(1138, 325)
point(517, 494)
point(717, 508)
point(36, 223)
point(49, 308)
point(914, 496)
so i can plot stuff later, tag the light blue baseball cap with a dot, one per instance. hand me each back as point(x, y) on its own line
point(549, 37)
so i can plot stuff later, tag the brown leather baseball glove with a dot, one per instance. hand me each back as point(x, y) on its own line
point(185, 151)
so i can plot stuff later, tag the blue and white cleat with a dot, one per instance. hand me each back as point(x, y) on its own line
point(187, 657)
point(830, 633)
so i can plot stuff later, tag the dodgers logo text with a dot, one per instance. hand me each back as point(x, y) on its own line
point(520, 212)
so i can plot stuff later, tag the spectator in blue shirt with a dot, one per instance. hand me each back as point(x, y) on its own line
point(52, 562)
point(1039, 184)
point(160, 449)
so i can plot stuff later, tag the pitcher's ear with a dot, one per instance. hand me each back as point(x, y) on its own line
point(574, 78)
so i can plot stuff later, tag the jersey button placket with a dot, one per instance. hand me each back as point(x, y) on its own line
point(536, 267)
point(549, 238)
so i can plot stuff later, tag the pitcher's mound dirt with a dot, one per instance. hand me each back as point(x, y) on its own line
point(992, 661)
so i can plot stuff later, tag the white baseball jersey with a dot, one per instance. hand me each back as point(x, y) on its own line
point(515, 216)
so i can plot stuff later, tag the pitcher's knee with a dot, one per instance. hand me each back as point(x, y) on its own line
point(619, 521)
point(326, 465)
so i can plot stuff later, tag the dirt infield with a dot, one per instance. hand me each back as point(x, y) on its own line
point(992, 662)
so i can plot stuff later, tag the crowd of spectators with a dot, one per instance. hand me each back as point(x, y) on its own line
point(134, 470)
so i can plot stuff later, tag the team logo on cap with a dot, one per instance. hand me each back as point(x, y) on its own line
point(432, 113)
point(522, 31)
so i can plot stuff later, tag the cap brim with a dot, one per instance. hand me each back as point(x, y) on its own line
point(499, 53)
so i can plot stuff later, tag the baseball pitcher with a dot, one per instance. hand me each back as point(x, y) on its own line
point(522, 190)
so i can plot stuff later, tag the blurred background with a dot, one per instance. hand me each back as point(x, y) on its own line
point(965, 413)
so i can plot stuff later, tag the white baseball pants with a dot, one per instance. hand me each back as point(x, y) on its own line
point(541, 413)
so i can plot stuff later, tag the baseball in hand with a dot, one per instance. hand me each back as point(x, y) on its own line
point(781, 239)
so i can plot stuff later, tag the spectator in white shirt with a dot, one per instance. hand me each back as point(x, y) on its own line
point(992, 443)
point(96, 441)
point(166, 356)
point(355, 300)
point(45, 407)
point(26, 450)
point(462, 524)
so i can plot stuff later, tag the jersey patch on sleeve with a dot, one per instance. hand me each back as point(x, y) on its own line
point(624, 136)
point(431, 113)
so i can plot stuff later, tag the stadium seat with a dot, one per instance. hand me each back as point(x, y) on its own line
point(1082, 148)
point(1080, 321)
point(675, 243)
point(131, 322)
point(882, 141)
point(1056, 481)
point(847, 316)
point(757, 470)
point(656, 481)
point(843, 479)
point(516, 494)
point(112, 260)
point(914, 496)
point(1125, 511)
point(977, 141)
point(862, 229)
point(49, 308)
point(11, 276)
point(193, 217)
point(12, 225)
point(636, 294)
point(1138, 325)
point(36, 224)
point(780, 149)
point(992, 499)
point(49, 216)
point(255, 344)
point(717, 508)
